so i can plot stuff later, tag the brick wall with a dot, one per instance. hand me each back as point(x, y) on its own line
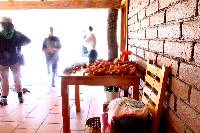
point(168, 31)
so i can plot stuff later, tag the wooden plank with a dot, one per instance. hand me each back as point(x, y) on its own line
point(151, 109)
point(155, 70)
point(65, 4)
point(145, 100)
point(147, 91)
point(154, 83)
point(155, 99)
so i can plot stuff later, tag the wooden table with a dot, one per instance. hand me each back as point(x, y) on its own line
point(78, 79)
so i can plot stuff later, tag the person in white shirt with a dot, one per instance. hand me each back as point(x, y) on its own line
point(90, 41)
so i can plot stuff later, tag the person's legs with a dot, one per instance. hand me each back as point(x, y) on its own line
point(4, 71)
point(16, 71)
point(48, 62)
point(48, 69)
point(54, 70)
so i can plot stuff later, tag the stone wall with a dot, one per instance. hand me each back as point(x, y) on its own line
point(168, 32)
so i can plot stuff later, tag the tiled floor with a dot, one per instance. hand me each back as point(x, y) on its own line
point(41, 111)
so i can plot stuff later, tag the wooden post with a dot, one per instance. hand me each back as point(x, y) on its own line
point(124, 25)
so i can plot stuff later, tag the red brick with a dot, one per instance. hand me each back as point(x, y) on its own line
point(144, 44)
point(184, 9)
point(131, 12)
point(157, 18)
point(144, 23)
point(171, 101)
point(133, 9)
point(140, 43)
point(132, 49)
point(180, 89)
point(132, 57)
point(140, 52)
point(150, 56)
point(141, 34)
point(141, 64)
point(151, 33)
point(129, 46)
point(173, 64)
point(132, 19)
point(142, 3)
point(195, 99)
point(156, 46)
point(198, 7)
point(137, 5)
point(133, 34)
point(152, 8)
point(131, 28)
point(130, 41)
point(178, 49)
point(190, 74)
point(189, 116)
point(176, 123)
point(136, 43)
point(197, 53)
point(191, 29)
point(141, 14)
point(169, 31)
point(151, 1)
point(135, 26)
point(166, 3)
point(170, 129)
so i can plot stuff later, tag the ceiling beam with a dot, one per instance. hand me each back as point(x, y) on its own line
point(65, 4)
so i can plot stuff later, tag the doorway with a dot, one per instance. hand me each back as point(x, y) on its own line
point(68, 26)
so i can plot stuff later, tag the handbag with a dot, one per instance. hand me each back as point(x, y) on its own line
point(93, 125)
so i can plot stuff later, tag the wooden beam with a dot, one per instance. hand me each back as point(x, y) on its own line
point(65, 4)
point(124, 25)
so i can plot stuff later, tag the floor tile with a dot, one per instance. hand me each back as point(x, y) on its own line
point(42, 110)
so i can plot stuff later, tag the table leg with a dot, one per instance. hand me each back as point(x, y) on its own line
point(125, 93)
point(77, 98)
point(125, 89)
point(135, 91)
point(65, 107)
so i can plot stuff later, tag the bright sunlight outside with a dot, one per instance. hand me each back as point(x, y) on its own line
point(69, 25)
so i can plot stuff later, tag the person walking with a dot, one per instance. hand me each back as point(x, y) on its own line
point(51, 47)
point(11, 57)
point(90, 40)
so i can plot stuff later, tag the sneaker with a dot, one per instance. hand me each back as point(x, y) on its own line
point(3, 101)
point(21, 99)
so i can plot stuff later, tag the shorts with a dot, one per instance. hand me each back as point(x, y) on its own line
point(92, 56)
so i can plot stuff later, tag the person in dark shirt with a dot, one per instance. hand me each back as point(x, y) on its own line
point(51, 47)
point(11, 57)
